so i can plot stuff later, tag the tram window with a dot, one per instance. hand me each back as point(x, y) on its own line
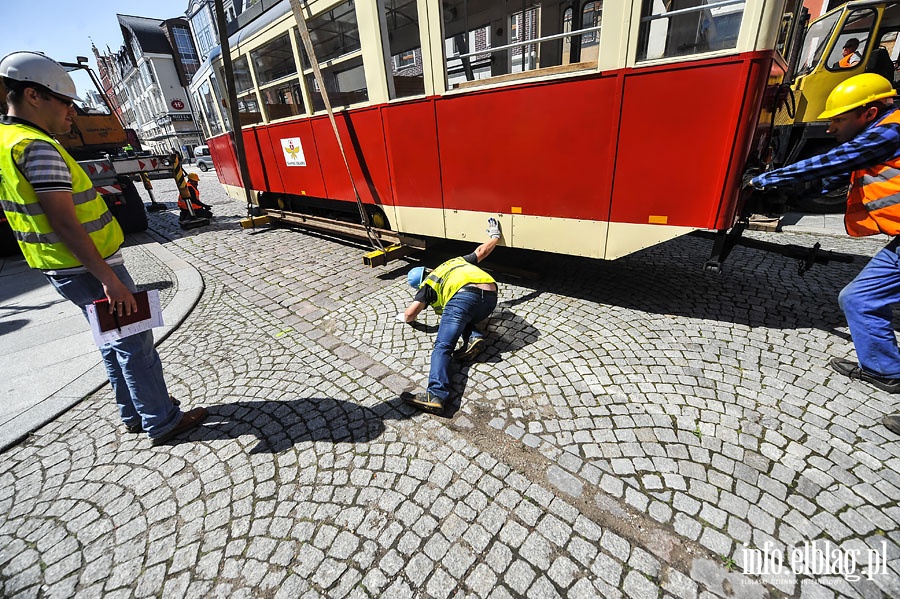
point(242, 79)
point(248, 108)
point(694, 29)
point(345, 83)
point(590, 41)
point(282, 101)
point(492, 38)
point(854, 36)
point(405, 63)
point(334, 33)
point(208, 107)
point(274, 60)
point(217, 93)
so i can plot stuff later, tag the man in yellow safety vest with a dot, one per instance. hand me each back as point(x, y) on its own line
point(65, 229)
point(463, 295)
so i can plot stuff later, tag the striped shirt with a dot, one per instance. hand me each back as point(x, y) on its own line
point(872, 146)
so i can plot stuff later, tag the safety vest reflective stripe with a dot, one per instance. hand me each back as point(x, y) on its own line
point(36, 209)
point(85, 196)
point(440, 280)
point(51, 238)
point(873, 204)
point(884, 202)
point(30, 209)
point(886, 174)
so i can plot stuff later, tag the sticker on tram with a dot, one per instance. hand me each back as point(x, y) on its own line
point(293, 151)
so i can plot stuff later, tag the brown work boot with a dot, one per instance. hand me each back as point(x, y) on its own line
point(189, 420)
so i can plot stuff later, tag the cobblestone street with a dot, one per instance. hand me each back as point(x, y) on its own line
point(635, 428)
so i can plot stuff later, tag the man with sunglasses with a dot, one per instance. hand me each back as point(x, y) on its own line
point(65, 229)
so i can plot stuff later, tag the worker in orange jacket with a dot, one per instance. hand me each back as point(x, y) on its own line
point(200, 209)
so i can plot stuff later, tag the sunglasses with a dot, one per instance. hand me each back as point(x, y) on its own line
point(69, 102)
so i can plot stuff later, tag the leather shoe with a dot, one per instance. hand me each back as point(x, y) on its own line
point(189, 420)
point(854, 371)
point(892, 423)
point(138, 428)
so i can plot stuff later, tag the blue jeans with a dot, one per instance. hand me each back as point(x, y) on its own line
point(467, 307)
point(132, 363)
point(866, 302)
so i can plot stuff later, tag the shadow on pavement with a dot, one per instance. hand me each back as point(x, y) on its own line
point(279, 425)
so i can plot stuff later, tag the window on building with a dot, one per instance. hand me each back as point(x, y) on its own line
point(405, 67)
point(692, 29)
point(202, 26)
point(147, 74)
point(186, 52)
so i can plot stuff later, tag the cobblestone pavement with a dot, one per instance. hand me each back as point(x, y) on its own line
point(637, 428)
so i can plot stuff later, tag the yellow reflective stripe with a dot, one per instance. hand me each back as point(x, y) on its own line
point(33, 209)
point(440, 280)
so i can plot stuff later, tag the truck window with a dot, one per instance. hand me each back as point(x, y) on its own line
point(814, 43)
point(850, 46)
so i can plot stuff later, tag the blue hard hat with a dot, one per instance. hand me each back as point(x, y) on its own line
point(416, 276)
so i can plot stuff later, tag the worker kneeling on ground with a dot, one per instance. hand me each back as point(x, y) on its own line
point(464, 295)
point(865, 122)
point(200, 209)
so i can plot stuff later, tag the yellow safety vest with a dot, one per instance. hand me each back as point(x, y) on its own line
point(873, 204)
point(450, 277)
point(42, 247)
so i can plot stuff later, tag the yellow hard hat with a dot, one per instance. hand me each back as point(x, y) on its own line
point(193, 176)
point(857, 91)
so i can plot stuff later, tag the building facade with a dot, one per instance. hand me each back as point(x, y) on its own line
point(147, 80)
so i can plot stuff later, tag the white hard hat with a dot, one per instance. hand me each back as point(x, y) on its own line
point(40, 69)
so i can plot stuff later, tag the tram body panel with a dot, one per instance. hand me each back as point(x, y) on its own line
point(362, 135)
point(518, 150)
point(676, 134)
point(295, 141)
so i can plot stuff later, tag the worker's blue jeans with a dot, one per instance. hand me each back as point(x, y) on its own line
point(132, 363)
point(467, 307)
point(866, 303)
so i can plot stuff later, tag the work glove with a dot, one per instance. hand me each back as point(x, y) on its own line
point(401, 316)
point(493, 228)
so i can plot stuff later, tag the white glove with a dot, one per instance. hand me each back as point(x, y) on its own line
point(493, 228)
point(401, 316)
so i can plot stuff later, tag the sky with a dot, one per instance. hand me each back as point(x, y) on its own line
point(63, 29)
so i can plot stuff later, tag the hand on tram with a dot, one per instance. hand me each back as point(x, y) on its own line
point(493, 228)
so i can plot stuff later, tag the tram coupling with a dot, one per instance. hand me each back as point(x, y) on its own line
point(807, 257)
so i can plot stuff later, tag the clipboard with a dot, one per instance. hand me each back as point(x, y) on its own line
point(107, 327)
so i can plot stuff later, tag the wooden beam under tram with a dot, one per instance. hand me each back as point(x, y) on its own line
point(397, 244)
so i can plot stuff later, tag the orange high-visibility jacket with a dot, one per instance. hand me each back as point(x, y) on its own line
point(195, 198)
point(873, 204)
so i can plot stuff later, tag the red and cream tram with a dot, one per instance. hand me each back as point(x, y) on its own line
point(588, 128)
